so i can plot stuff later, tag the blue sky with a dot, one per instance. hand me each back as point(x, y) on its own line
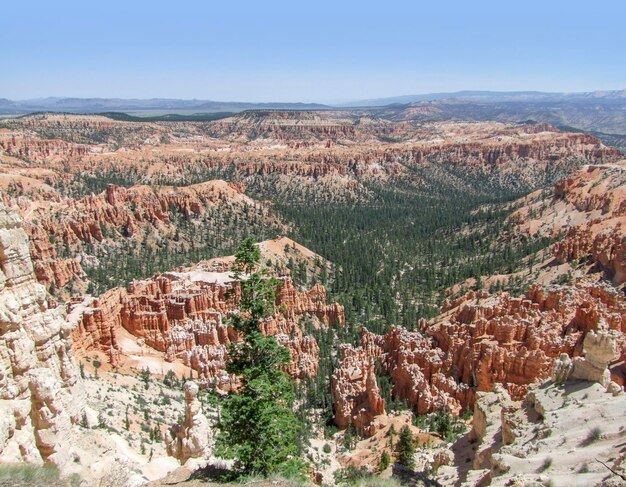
point(307, 51)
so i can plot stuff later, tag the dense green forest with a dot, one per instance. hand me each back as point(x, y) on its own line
point(396, 256)
point(396, 251)
point(214, 234)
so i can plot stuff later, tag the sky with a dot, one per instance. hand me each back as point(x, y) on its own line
point(325, 51)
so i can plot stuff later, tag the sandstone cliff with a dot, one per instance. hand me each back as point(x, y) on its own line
point(355, 391)
point(589, 209)
point(41, 396)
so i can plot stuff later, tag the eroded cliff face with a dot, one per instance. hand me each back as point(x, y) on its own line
point(589, 209)
point(479, 340)
point(59, 226)
point(183, 315)
point(355, 392)
point(41, 396)
point(567, 428)
point(332, 153)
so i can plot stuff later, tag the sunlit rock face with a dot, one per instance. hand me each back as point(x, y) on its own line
point(184, 315)
point(41, 396)
point(478, 341)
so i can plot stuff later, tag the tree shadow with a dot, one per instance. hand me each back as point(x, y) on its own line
point(409, 477)
point(213, 473)
point(464, 451)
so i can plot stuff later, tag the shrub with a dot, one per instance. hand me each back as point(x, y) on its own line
point(385, 460)
point(593, 436)
point(547, 463)
point(28, 474)
point(350, 437)
point(351, 475)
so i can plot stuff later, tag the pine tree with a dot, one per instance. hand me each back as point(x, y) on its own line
point(442, 423)
point(391, 433)
point(406, 449)
point(385, 460)
point(349, 437)
point(258, 427)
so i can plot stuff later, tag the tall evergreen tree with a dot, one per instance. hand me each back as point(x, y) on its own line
point(406, 449)
point(258, 427)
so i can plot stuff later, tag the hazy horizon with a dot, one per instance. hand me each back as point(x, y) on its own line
point(326, 52)
point(330, 102)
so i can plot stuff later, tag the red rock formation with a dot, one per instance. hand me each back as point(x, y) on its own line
point(312, 302)
point(117, 213)
point(590, 208)
point(49, 268)
point(98, 325)
point(484, 339)
point(182, 315)
point(355, 391)
point(58, 272)
point(607, 249)
point(123, 210)
point(294, 144)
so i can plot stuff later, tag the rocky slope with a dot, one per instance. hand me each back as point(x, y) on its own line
point(589, 208)
point(566, 431)
point(479, 340)
point(49, 412)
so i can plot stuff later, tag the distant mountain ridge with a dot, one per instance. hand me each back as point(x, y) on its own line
point(91, 105)
point(493, 96)
point(600, 112)
point(195, 106)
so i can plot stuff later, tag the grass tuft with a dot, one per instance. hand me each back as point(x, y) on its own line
point(593, 436)
point(28, 474)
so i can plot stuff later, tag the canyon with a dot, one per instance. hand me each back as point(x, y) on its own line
point(387, 238)
point(339, 149)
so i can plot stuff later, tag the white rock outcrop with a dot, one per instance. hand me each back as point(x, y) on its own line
point(40, 392)
point(563, 433)
point(600, 349)
point(193, 438)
